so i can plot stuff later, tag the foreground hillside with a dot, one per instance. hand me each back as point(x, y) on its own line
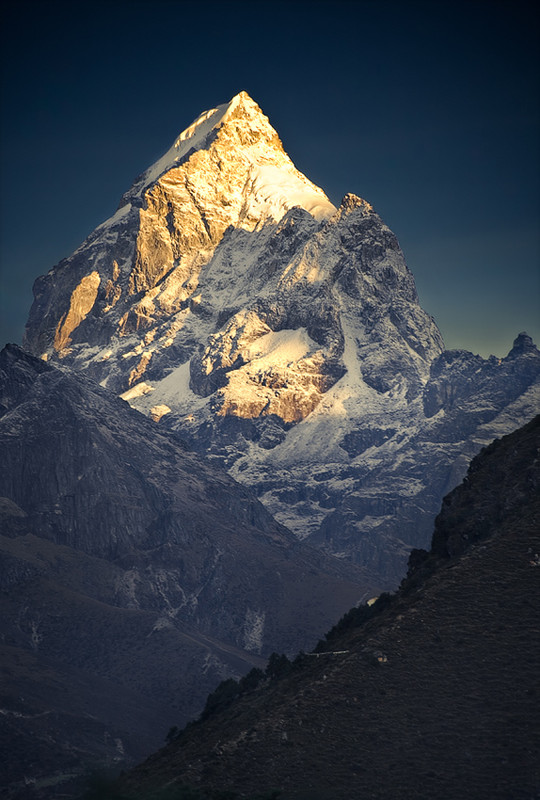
point(435, 696)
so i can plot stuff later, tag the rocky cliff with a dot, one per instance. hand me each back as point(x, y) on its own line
point(230, 300)
point(134, 576)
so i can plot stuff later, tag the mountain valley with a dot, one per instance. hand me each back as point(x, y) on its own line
point(432, 694)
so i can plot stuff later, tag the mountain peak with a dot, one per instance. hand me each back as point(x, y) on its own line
point(241, 106)
point(351, 202)
point(237, 136)
point(217, 299)
point(243, 101)
point(522, 344)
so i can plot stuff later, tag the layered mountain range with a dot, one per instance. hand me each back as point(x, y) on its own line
point(230, 300)
point(134, 576)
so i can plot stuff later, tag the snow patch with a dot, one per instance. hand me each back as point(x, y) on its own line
point(173, 393)
point(282, 348)
point(275, 190)
point(253, 630)
point(116, 217)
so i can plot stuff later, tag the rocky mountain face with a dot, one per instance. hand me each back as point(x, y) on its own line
point(431, 693)
point(229, 299)
point(134, 576)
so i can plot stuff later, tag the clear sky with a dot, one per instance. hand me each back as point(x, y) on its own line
point(430, 111)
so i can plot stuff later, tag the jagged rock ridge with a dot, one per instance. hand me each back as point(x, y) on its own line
point(230, 300)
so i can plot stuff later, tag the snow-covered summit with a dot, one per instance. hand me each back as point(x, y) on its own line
point(228, 298)
point(226, 171)
point(248, 136)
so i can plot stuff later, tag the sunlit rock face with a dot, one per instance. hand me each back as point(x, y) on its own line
point(227, 172)
point(229, 299)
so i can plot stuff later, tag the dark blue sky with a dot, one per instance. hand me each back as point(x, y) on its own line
point(430, 111)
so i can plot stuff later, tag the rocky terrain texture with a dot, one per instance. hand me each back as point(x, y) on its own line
point(433, 694)
point(134, 576)
point(229, 299)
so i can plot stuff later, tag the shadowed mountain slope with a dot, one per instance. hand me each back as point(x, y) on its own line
point(434, 695)
point(134, 576)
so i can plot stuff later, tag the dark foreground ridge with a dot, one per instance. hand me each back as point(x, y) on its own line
point(434, 696)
